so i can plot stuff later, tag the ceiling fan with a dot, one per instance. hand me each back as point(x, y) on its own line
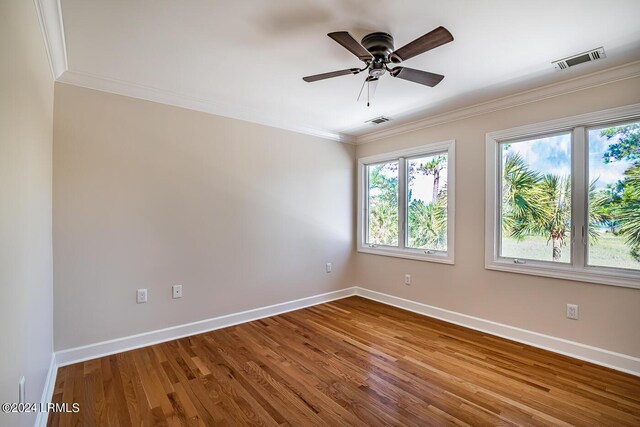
point(376, 50)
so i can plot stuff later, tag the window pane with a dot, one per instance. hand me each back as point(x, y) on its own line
point(536, 199)
point(614, 196)
point(382, 204)
point(427, 202)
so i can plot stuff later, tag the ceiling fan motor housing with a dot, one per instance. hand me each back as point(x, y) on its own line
point(379, 44)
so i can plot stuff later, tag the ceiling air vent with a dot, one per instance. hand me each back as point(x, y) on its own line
point(378, 120)
point(592, 55)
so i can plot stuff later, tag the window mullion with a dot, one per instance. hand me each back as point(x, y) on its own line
point(579, 197)
point(402, 203)
point(365, 211)
point(497, 200)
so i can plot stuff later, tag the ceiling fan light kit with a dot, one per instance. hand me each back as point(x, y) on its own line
point(376, 50)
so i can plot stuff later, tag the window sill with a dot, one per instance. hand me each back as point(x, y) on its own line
point(597, 275)
point(438, 257)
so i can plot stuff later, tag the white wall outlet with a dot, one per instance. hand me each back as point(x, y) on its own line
point(141, 296)
point(328, 267)
point(572, 311)
point(21, 395)
point(407, 279)
point(177, 291)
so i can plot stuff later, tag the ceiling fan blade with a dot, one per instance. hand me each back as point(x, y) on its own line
point(348, 42)
point(429, 41)
point(417, 76)
point(323, 76)
point(368, 89)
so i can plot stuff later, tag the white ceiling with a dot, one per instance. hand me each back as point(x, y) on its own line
point(247, 57)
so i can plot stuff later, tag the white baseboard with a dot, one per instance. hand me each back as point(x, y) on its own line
point(47, 391)
point(119, 345)
point(599, 356)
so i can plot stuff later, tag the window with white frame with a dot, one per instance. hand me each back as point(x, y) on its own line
point(406, 203)
point(563, 198)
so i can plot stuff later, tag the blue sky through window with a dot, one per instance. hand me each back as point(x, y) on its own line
point(421, 185)
point(550, 155)
point(553, 155)
point(606, 173)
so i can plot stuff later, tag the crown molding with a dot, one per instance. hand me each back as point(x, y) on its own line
point(51, 24)
point(576, 84)
point(162, 96)
point(50, 18)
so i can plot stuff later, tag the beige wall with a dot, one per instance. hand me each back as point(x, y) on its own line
point(26, 117)
point(147, 196)
point(609, 316)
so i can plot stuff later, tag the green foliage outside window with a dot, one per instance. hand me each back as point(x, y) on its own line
point(536, 204)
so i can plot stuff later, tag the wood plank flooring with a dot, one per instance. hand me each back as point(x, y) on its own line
point(348, 362)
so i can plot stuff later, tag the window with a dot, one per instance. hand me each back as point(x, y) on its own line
point(536, 199)
point(406, 201)
point(382, 202)
point(614, 196)
point(563, 198)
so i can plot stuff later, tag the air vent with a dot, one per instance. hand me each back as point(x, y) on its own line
point(378, 120)
point(592, 55)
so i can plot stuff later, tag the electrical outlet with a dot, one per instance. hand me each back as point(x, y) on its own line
point(177, 291)
point(328, 267)
point(21, 395)
point(572, 311)
point(141, 296)
point(407, 279)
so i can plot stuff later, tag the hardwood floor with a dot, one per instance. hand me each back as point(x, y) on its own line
point(348, 362)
